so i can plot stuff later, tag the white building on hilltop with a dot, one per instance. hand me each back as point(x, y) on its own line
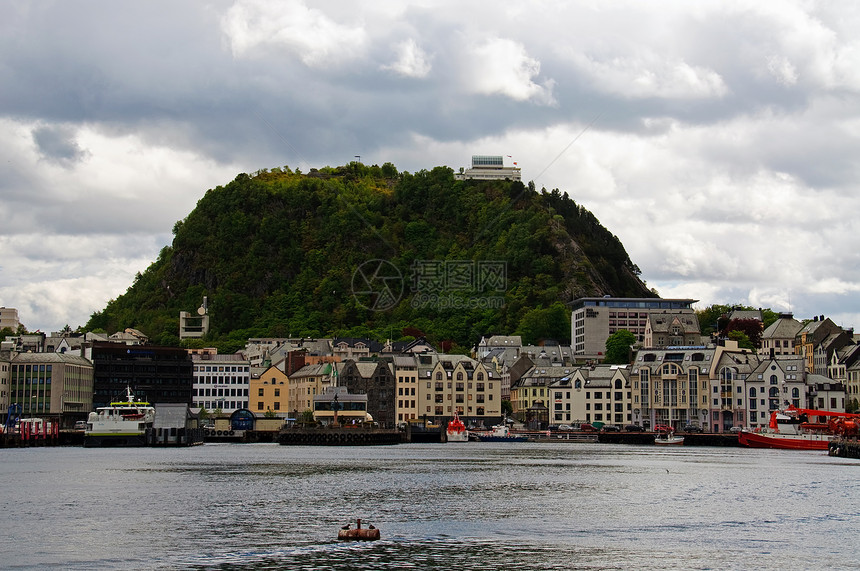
point(489, 167)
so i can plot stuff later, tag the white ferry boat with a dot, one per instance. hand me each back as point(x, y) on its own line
point(123, 423)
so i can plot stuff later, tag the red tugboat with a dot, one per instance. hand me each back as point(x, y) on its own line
point(790, 429)
point(347, 533)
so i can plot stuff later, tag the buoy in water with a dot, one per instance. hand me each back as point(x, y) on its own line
point(369, 533)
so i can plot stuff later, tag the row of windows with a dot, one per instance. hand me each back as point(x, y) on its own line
point(440, 410)
point(460, 376)
point(221, 369)
point(228, 405)
point(210, 380)
point(459, 398)
point(221, 392)
point(31, 368)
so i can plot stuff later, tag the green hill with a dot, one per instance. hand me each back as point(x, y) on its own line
point(368, 251)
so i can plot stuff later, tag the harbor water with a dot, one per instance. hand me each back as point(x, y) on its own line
point(463, 506)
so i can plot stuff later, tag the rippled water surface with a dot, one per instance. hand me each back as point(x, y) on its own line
point(456, 506)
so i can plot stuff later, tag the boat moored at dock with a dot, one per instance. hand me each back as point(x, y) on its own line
point(122, 423)
point(790, 429)
point(500, 433)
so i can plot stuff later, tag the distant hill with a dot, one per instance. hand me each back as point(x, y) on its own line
point(368, 251)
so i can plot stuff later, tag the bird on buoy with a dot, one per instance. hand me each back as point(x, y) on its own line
point(371, 527)
point(346, 526)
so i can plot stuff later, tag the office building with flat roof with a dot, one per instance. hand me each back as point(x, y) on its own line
point(594, 319)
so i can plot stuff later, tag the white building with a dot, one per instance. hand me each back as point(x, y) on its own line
point(489, 167)
point(221, 381)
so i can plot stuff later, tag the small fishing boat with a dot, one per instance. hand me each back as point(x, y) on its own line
point(348, 533)
point(668, 438)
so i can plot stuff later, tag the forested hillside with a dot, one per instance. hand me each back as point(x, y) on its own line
point(368, 251)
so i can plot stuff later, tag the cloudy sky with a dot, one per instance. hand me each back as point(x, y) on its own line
point(720, 142)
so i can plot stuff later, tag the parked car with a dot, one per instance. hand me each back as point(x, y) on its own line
point(80, 425)
point(633, 428)
point(585, 427)
point(663, 428)
point(565, 427)
point(735, 429)
point(610, 428)
point(692, 428)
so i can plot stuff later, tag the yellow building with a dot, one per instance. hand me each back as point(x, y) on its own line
point(308, 381)
point(269, 392)
point(406, 374)
point(449, 383)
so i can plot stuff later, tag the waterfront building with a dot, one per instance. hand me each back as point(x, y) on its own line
point(349, 408)
point(405, 369)
point(269, 392)
point(774, 383)
point(730, 370)
point(449, 383)
point(376, 380)
point(489, 167)
point(779, 337)
point(671, 385)
point(51, 384)
point(594, 319)
point(824, 394)
point(603, 393)
point(155, 374)
point(306, 382)
point(220, 381)
point(531, 392)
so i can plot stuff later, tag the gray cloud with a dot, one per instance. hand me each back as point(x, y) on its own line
point(58, 143)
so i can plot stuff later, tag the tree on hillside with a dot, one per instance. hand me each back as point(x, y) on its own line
point(618, 347)
point(550, 323)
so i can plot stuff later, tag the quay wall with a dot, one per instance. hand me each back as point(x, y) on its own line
point(342, 437)
point(844, 448)
point(692, 439)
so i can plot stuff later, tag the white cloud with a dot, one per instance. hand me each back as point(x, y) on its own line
point(56, 279)
point(651, 75)
point(499, 66)
point(317, 39)
point(412, 61)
